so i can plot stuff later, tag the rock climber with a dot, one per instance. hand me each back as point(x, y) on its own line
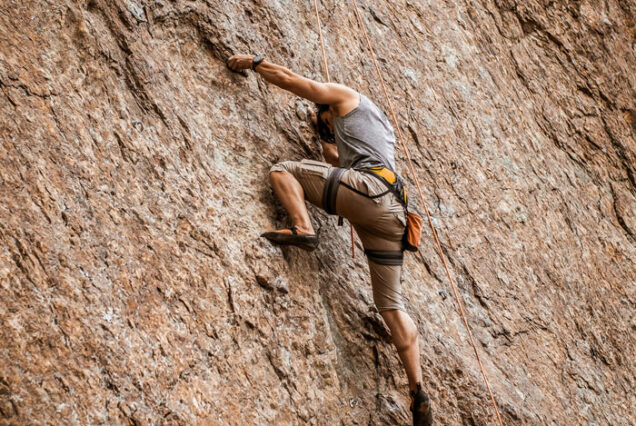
point(359, 148)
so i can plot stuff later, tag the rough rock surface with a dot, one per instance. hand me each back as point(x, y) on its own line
point(133, 166)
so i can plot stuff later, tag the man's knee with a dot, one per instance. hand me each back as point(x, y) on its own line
point(283, 166)
point(276, 175)
point(278, 171)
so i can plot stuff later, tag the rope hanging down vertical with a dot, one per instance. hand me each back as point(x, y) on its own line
point(324, 62)
point(428, 216)
point(322, 44)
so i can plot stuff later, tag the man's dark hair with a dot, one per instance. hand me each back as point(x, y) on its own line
point(322, 127)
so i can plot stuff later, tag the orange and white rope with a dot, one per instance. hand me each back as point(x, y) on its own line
point(419, 190)
point(428, 216)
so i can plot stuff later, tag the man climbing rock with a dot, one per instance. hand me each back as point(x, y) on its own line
point(359, 183)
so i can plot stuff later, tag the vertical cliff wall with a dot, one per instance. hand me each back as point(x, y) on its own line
point(133, 166)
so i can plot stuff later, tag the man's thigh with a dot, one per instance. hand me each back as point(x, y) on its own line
point(311, 175)
point(385, 279)
point(381, 214)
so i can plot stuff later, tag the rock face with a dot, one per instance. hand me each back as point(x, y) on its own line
point(133, 188)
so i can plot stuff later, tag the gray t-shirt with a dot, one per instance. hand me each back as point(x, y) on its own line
point(364, 137)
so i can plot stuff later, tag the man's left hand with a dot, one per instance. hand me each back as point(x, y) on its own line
point(240, 62)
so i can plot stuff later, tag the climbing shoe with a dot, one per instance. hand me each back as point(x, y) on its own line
point(421, 408)
point(291, 237)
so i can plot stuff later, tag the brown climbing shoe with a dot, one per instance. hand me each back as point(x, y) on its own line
point(291, 237)
point(421, 408)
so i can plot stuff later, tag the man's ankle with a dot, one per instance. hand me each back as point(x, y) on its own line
point(304, 229)
point(414, 391)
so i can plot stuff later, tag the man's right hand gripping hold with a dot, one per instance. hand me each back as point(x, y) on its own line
point(359, 146)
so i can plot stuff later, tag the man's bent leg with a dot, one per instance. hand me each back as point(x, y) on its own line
point(387, 295)
point(292, 197)
point(405, 339)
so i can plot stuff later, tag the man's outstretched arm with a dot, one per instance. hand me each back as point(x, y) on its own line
point(342, 98)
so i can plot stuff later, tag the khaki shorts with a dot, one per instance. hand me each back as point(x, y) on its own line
point(379, 222)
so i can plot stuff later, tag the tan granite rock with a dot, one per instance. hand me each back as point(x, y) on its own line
point(133, 165)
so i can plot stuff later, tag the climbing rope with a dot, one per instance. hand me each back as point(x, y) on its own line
point(322, 44)
point(428, 216)
point(324, 62)
point(421, 194)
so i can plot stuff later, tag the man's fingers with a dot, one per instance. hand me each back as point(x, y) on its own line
point(232, 64)
point(239, 62)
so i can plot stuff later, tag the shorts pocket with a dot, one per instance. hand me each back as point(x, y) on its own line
point(365, 184)
point(400, 218)
point(315, 168)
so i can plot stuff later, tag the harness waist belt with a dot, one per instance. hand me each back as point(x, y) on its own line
point(386, 257)
point(390, 179)
point(384, 173)
point(331, 189)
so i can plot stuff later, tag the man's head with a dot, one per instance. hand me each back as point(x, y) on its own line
point(324, 123)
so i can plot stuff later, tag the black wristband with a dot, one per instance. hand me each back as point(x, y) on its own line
point(256, 61)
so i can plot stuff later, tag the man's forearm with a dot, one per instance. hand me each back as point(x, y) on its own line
point(277, 74)
point(297, 84)
point(338, 96)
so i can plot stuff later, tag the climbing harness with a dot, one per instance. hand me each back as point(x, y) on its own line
point(411, 237)
point(419, 189)
point(385, 257)
point(330, 191)
point(413, 229)
point(391, 180)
